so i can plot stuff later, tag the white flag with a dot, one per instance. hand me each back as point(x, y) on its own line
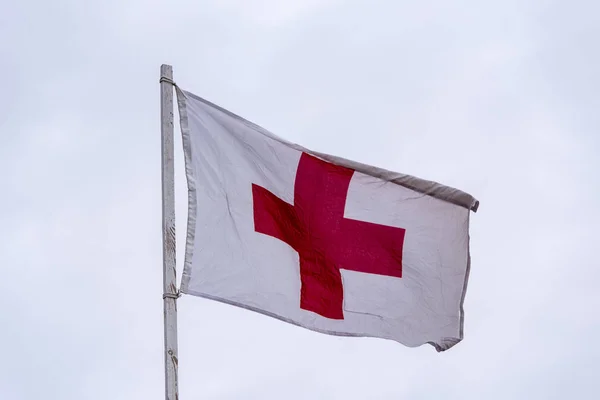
point(318, 241)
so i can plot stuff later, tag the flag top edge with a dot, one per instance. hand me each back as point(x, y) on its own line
point(419, 185)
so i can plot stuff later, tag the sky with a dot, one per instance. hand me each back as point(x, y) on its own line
point(499, 99)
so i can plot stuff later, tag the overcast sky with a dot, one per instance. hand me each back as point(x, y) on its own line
point(499, 99)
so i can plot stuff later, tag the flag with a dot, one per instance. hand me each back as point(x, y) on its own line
point(319, 241)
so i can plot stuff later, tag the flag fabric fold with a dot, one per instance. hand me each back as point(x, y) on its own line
point(329, 244)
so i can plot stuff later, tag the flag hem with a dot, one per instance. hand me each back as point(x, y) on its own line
point(466, 282)
point(191, 182)
point(445, 343)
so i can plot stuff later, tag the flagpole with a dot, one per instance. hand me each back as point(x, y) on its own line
point(168, 226)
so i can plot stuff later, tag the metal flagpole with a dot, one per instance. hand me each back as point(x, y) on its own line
point(168, 225)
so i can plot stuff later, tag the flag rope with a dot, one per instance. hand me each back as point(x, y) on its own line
point(167, 80)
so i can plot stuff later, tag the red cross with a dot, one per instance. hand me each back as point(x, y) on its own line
point(326, 241)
